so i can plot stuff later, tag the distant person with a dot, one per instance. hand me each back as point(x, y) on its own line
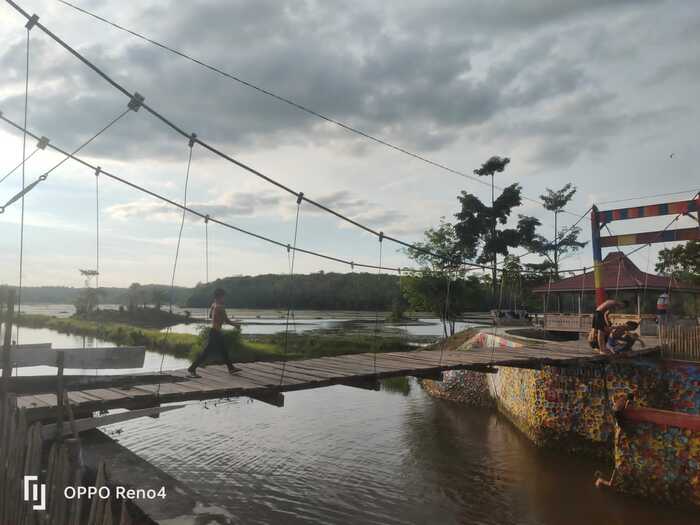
point(215, 342)
point(622, 338)
point(601, 321)
point(662, 307)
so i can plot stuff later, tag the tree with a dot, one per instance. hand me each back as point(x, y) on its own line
point(158, 297)
point(478, 237)
point(682, 262)
point(439, 285)
point(135, 296)
point(565, 241)
point(492, 166)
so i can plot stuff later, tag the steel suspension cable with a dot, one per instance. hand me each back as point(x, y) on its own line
point(202, 215)
point(289, 101)
point(24, 161)
point(45, 175)
point(21, 164)
point(292, 254)
point(215, 150)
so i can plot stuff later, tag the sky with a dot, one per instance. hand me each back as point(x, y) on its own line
point(602, 94)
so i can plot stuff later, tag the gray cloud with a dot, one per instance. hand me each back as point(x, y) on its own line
point(227, 206)
point(405, 74)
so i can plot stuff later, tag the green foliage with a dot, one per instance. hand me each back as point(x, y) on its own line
point(475, 221)
point(682, 262)
point(318, 291)
point(427, 291)
point(565, 240)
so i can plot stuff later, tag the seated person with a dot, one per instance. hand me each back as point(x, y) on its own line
point(623, 337)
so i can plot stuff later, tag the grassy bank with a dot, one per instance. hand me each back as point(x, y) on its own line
point(241, 349)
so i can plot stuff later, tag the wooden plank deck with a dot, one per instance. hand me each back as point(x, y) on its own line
point(264, 379)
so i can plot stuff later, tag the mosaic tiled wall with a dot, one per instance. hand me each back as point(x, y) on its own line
point(659, 462)
point(572, 407)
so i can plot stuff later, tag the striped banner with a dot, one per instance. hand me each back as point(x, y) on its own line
point(653, 210)
point(683, 234)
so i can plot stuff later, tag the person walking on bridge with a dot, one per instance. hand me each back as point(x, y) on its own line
point(215, 342)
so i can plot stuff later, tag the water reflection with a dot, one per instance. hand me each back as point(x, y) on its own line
point(343, 455)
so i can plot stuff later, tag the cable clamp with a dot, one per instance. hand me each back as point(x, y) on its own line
point(136, 101)
point(352, 265)
point(98, 170)
point(43, 142)
point(289, 248)
point(193, 139)
point(300, 197)
point(31, 22)
point(206, 219)
point(381, 236)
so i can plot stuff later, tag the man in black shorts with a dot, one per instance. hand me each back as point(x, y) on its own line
point(215, 342)
point(601, 321)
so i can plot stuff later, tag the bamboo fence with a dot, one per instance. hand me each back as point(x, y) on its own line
point(680, 342)
point(22, 453)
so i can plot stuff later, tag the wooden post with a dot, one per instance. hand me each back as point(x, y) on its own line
point(60, 392)
point(7, 343)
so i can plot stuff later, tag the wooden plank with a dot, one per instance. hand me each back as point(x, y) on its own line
point(80, 358)
point(275, 399)
point(298, 367)
point(30, 346)
point(302, 375)
point(662, 417)
point(29, 402)
point(50, 431)
point(364, 384)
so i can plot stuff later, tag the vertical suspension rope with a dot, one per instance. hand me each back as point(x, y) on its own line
point(191, 144)
point(182, 222)
point(376, 311)
point(447, 315)
point(206, 247)
point(97, 229)
point(29, 26)
point(291, 253)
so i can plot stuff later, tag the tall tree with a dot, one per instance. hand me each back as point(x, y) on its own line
point(439, 285)
point(564, 241)
point(480, 239)
point(492, 166)
point(682, 262)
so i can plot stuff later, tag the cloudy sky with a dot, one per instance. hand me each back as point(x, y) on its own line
point(598, 93)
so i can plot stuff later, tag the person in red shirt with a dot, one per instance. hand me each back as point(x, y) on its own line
point(215, 342)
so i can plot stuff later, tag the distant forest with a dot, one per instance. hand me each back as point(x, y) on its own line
point(318, 291)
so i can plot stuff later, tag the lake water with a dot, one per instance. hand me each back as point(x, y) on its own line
point(263, 322)
point(344, 455)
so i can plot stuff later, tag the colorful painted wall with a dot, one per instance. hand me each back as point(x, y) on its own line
point(572, 409)
point(659, 462)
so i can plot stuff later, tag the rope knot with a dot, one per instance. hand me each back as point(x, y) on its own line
point(31, 22)
point(42, 143)
point(43, 177)
point(381, 236)
point(206, 219)
point(136, 101)
point(98, 170)
point(300, 197)
point(193, 139)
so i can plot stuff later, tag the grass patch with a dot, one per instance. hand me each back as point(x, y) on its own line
point(241, 349)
